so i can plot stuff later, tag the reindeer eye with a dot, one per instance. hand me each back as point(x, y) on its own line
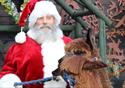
point(80, 52)
point(84, 52)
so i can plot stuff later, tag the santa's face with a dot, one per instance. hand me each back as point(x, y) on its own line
point(44, 29)
point(45, 20)
point(45, 23)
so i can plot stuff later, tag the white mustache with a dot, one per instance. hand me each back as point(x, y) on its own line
point(46, 26)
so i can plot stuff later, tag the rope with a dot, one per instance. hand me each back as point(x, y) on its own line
point(39, 81)
point(66, 77)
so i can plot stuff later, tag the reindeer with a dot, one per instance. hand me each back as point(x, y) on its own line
point(82, 63)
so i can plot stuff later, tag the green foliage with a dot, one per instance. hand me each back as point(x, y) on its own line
point(114, 68)
point(10, 8)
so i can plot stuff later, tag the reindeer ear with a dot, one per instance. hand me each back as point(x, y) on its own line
point(94, 63)
point(90, 39)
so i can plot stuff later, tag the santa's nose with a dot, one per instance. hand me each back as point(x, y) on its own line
point(44, 20)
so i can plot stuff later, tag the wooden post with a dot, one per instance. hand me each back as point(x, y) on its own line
point(102, 41)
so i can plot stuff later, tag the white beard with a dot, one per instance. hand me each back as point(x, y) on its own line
point(45, 34)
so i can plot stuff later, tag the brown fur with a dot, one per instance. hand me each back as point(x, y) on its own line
point(81, 64)
point(123, 86)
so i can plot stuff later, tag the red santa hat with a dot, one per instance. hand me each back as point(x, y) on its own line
point(36, 9)
point(26, 12)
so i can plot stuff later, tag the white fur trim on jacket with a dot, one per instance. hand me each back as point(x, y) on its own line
point(8, 80)
point(52, 52)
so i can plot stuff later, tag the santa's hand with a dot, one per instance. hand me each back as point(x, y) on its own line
point(8, 80)
point(57, 82)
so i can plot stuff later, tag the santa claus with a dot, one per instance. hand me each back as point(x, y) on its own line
point(36, 55)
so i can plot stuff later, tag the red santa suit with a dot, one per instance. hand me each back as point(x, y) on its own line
point(26, 61)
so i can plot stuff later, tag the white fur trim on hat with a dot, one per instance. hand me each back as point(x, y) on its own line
point(20, 37)
point(8, 80)
point(43, 8)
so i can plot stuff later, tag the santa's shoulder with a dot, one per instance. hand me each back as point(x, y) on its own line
point(26, 46)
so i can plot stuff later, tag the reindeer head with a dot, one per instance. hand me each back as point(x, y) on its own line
point(81, 55)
